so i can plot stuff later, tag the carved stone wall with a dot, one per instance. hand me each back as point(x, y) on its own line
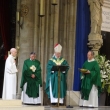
point(40, 34)
point(95, 38)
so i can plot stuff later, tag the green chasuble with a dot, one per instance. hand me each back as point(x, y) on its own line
point(88, 80)
point(53, 77)
point(32, 89)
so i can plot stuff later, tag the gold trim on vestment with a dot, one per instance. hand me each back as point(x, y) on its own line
point(58, 61)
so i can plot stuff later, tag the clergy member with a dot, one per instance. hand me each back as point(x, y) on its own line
point(31, 81)
point(52, 77)
point(90, 82)
point(9, 85)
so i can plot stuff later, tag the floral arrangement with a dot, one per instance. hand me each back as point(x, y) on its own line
point(33, 68)
point(104, 65)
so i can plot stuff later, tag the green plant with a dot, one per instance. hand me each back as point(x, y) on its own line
point(104, 65)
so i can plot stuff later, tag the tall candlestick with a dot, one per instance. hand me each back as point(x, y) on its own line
point(41, 7)
point(54, 2)
point(17, 16)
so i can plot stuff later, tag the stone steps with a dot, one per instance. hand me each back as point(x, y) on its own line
point(10, 103)
point(73, 98)
point(17, 105)
point(22, 108)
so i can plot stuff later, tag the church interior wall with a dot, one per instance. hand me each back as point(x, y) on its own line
point(41, 33)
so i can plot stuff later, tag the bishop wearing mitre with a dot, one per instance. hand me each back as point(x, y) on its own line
point(52, 77)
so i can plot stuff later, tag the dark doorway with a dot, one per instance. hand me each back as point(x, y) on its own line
point(7, 33)
point(105, 49)
point(2, 64)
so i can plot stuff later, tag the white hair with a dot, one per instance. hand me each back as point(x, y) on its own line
point(12, 49)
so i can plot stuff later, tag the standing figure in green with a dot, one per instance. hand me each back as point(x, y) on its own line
point(52, 77)
point(90, 82)
point(31, 81)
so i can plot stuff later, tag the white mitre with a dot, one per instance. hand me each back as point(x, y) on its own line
point(58, 48)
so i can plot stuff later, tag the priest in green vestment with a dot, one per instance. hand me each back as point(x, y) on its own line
point(31, 81)
point(52, 77)
point(90, 82)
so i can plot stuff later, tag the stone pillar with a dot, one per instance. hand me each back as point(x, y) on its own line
point(17, 39)
point(95, 42)
point(95, 37)
point(26, 36)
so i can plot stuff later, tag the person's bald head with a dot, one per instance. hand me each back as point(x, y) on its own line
point(13, 52)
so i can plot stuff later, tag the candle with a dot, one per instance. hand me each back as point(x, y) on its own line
point(41, 7)
point(21, 20)
point(8, 53)
point(17, 16)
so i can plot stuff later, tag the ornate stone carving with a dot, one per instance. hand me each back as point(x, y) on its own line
point(24, 10)
point(95, 38)
point(95, 42)
point(106, 3)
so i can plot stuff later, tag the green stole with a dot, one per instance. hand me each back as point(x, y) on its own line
point(53, 77)
point(32, 89)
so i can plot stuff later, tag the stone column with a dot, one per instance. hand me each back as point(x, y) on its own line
point(26, 36)
point(17, 38)
point(95, 37)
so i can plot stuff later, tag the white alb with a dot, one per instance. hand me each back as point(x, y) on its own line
point(9, 85)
